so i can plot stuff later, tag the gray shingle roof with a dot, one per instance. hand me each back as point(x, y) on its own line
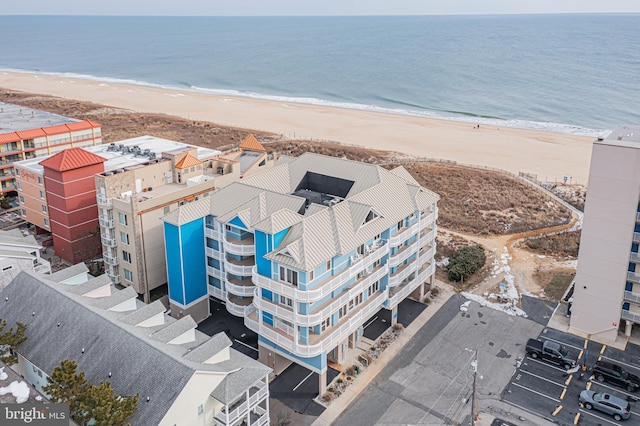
point(137, 363)
point(14, 237)
point(143, 313)
point(70, 272)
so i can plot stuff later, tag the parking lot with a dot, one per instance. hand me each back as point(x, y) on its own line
point(552, 393)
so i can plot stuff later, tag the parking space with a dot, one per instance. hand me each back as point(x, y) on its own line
point(296, 387)
point(244, 340)
point(553, 393)
point(408, 311)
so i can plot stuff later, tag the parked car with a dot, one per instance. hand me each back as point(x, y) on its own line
point(606, 371)
point(607, 403)
point(551, 352)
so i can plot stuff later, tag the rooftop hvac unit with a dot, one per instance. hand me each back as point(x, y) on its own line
point(152, 155)
point(146, 151)
point(121, 147)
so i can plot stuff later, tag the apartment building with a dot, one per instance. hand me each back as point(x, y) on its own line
point(110, 198)
point(606, 296)
point(182, 376)
point(306, 253)
point(19, 252)
point(29, 133)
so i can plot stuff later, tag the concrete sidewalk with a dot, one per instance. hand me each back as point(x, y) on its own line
point(336, 407)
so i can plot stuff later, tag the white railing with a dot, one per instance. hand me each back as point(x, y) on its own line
point(328, 342)
point(632, 297)
point(398, 258)
point(242, 408)
point(114, 278)
point(110, 242)
point(410, 287)
point(216, 292)
point(240, 290)
point(636, 237)
point(429, 217)
point(216, 273)
point(631, 316)
point(103, 201)
point(111, 260)
point(326, 288)
point(211, 252)
point(43, 267)
point(237, 310)
point(242, 270)
point(212, 233)
point(239, 249)
point(395, 280)
point(638, 217)
point(633, 277)
point(106, 223)
point(634, 257)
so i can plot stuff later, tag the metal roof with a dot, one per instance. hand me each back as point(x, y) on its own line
point(16, 118)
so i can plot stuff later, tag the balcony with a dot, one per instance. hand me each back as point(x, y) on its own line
point(632, 297)
point(216, 292)
point(401, 293)
point(628, 315)
point(238, 307)
point(636, 237)
point(103, 201)
point(244, 288)
point(327, 340)
point(402, 273)
point(244, 247)
point(105, 222)
point(633, 277)
point(108, 241)
point(212, 233)
point(326, 287)
point(327, 309)
point(110, 259)
point(216, 273)
point(634, 257)
point(407, 233)
point(115, 278)
point(239, 267)
point(213, 253)
point(638, 217)
point(256, 394)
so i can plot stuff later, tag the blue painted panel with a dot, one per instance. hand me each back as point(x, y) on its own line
point(237, 222)
point(625, 306)
point(628, 286)
point(173, 252)
point(634, 247)
point(267, 318)
point(194, 259)
point(267, 294)
point(318, 362)
point(262, 247)
point(632, 267)
point(278, 237)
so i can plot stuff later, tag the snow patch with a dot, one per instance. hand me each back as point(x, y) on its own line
point(507, 308)
point(465, 306)
point(3, 375)
point(38, 398)
point(443, 262)
point(20, 391)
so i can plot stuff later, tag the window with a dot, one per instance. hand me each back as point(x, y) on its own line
point(24, 212)
point(342, 311)
point(46, 222)
point(20, 186)
point(122, 218)
point(17, 172)
point(124, 237)
point(126, 256)
point(21, 199)
point(227, 227)
point(44, 208)
point(128, 275)
point(192, 169)
point(373, 288)
point(200, 409)
point(400, 224)
point(311, 276)
point(286, 301)
point(167, 209)
point(328, 265)
point(288, 276)
point(39, 180)
point(42, 195)
point(325, 324)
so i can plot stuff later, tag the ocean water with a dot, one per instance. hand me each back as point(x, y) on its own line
point(577, 74)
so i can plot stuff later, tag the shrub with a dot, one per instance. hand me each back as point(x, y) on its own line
point(465, 262)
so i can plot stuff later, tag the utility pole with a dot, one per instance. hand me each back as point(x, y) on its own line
point(474, 367)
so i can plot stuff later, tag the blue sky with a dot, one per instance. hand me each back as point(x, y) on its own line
point(312, 7)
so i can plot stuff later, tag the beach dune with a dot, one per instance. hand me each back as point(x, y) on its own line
point(550, 156)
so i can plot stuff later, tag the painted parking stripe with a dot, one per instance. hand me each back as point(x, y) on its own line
point(635, 367)
point(536, 392)
point(543, 378)
point(303, 380)
point(598, 417)
point(604, 385)
point(244, 344)
point(545, 364)
point(370, 322)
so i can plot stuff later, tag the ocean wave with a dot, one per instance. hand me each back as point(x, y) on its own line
point(459, 116)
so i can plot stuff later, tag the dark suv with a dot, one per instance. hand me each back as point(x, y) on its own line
point(605, 371)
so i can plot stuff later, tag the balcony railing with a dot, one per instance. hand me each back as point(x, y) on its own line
point(216, 273)
point(211, 252)
point(111, 260)
point(408, 288)
point(106, 223)
point(636, 237)
point(316, 318)
point(242, 270)
point(632, 297)
point(631, 316)
point(406, 233)
point(325, 288)
point(240, 247)
point(244, 288)
point(237, 309)
point(114, 278)
point(108, 241)
point(633, 277)
point(638, 217)
point(212, 233)
point(241, 409)
point(216, 292)
point(103, 201)
point(634, 257)
point(329, 340)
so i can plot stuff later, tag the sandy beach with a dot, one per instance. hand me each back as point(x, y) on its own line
point(550, 156)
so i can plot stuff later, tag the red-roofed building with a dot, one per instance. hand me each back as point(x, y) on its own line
point(27, 133)
point(71, 195)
